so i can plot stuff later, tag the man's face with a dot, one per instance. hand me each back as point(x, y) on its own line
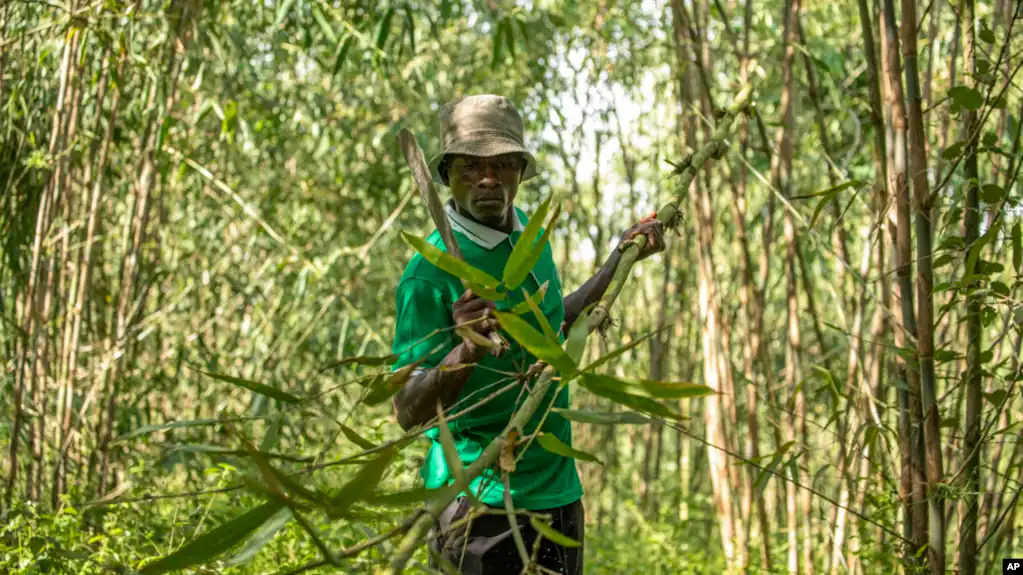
point(486, 187)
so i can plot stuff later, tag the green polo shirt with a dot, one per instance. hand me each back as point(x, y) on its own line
point(425, 294)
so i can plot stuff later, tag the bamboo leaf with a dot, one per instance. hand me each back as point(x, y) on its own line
point(342, 52)
point(551, 443)
point(415, 496)
point(383, 391)
point(364, 483)
point(214, 542)
point(363, 360)
point(992, 193)
point(533, 300)
point(650, 388)
point(317, 540)
point(538, 345)
point(261, 537)
point(495, 50)
point(282, 12)
point(575, 343)
point(356, 438)
point(383, 29)
point(541, 319)
point(509, 36)
point(328, 30)
point(551, 533)
point(260, 388)
point(996, 397)
point(765, 474)
point(639, 403)
point(447, 443)
point(614, 354)
point(450, 263)
point(533, 255)
point(829, 191)
point(953, 151)
point(966, 97)
point(147, 429)
point(602, 417)
point(515, 270)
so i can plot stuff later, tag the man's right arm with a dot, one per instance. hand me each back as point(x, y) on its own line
point(416, 402)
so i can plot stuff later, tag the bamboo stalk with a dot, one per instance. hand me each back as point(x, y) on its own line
point(925, 288)
point(972, 381)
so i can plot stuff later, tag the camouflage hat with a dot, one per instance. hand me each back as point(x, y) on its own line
point(483, 125)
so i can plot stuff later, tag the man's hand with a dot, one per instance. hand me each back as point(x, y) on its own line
point(654, 231)
point(477, 314)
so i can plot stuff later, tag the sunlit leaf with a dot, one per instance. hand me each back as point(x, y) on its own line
point(575, 343)
point(450, 263)
point(650, 388)
point(551, 443)
point(282, 12)
point(515, 270)
point(214, 542)
point(260, 388)
point(545, 326)
point(551, 533)
point(542, 347)
point(533, 300)
point(639, 403)
point(603, 417)
point(321, 20)
point(616, 353)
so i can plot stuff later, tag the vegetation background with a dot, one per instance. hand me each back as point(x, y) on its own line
point(194, 188)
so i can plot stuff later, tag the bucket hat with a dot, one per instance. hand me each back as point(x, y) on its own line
point(482, 125)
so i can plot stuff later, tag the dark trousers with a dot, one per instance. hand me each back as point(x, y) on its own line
point(485, 545)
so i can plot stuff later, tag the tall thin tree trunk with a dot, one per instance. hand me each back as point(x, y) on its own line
point(972, 381)
point(925, 288)
point(782, 168)
point(911, 411)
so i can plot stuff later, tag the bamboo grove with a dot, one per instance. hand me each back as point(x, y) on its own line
point(205, 213)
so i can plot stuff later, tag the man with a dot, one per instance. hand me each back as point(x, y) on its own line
point(483, 161)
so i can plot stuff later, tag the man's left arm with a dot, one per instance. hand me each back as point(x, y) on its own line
point(594, 288)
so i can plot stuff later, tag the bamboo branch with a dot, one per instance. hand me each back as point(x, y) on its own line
point(670, 213)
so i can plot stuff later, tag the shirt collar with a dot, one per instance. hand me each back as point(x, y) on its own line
point(479, 234)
